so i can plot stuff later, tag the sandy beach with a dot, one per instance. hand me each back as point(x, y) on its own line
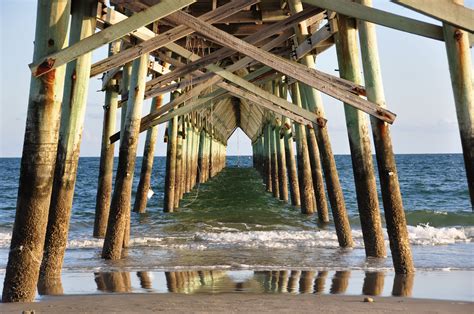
point(234, 303)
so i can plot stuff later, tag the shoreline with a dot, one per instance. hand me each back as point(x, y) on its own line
point(235, 302)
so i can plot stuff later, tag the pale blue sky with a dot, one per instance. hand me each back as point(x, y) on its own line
point(415, 72)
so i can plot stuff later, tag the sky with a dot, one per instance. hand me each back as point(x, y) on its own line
point(415, 74)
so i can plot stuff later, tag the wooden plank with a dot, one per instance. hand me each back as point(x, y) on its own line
point(222, 53)
point(443, 10)
point(300, 72)
point(260, 101)
point(380, 17)
point(107, 35)
point(324, 33)
point(172, 35)
point(210, 77)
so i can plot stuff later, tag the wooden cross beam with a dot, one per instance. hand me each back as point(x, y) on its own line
point(298, 71)
point(443, 10)
point(170, 36)
point(376, 16)
point(222, 53)
point(110, 34)
point(321, 35)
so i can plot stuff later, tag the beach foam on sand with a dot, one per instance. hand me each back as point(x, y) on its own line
point(234, 303)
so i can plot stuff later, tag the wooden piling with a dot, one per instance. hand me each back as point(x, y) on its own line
point(144, 185)
point(106, 167)
point(170, 176)
point(273, 149)
point(317, 175)
point(460, 68)
point(189, 155)
point(359, 142)
point(38, 157)
point(304, 168)
point(120, 207)
point(331, 176)
point(73, 111)
point(200, 163)
point(178, 184)
point(291, 165)
point(391, 195)
point(282, 171)
point(267, 158)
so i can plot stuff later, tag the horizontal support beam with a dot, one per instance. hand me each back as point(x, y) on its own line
point(222, 53)
point(321, 35)
point(158, 41)
point(267, 104)
point(108, 35)
point(443, 10)
point(376, 16)
point(298, 71)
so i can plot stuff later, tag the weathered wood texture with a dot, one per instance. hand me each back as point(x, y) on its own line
point(120, 206)
point(73, 110)
point(106, 166)
point(38, 157)
point(359, 143)
point(391, 195)
point(460, 68)
point(144, 185)
point(45, 64)
point(339, 89)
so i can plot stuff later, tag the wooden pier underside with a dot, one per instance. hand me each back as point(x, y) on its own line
point(246, 64)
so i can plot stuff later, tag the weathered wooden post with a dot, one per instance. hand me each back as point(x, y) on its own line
point(317, 175)
point(178, 184)
point(211, 153)
point(104, 186)
point(291, 164)
point(202, 142)
point(282, 171)
point(273, 149)
point(38, 158)
point(141, 197)
point(73, 110)
point(124, 88)
point(120, 207)
point(184, 156)
point(460, 67)
point(290, 154)
point(170, 177)
point(189, 155)
point(359, 142)
point(304, 168)
point(333, 186)
point(391, 195)
point(267, 158)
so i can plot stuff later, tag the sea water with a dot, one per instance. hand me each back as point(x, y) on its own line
point(231, 223)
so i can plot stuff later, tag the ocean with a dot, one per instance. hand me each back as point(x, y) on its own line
point(230, 224)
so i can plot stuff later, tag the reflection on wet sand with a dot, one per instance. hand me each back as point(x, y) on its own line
point(403, 285)
point(373, 283)
point(113, 281)
point(216, 281)
point(340, 281)
point(50, 286)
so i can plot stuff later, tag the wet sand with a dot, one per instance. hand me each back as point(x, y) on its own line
point(234, 303)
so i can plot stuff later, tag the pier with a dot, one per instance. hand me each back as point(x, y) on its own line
point(210, 67)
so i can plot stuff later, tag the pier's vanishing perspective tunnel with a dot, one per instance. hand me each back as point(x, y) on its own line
point(223, 65)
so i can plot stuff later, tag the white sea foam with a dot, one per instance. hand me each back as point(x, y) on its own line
point(428, 235)
point(423, 235)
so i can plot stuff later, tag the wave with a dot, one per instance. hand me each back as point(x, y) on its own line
point(423, 235)
point(440, 218)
